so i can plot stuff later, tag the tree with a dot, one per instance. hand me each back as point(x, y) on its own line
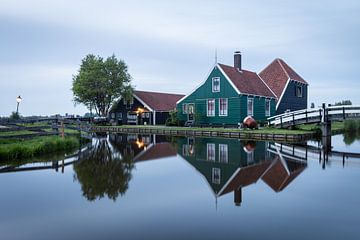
point(100, 82)
point(343, 102)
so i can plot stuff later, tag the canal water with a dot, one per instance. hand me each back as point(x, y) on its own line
point(163, 187)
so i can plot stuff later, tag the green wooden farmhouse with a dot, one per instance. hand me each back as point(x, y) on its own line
point(227, 96)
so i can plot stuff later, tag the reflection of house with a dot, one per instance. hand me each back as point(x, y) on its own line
point(282, 172)
point(142, 147)
point(156, 151)
point(229, 165)
point(145, 108)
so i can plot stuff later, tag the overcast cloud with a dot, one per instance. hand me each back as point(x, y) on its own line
point(169, 45)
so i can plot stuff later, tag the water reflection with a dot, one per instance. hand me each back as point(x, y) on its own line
point(106, 170)
point(229, 165)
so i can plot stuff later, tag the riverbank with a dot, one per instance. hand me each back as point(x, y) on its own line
point(18, 148)
point(301, 133)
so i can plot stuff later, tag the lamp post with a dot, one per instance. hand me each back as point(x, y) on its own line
point(18, 101)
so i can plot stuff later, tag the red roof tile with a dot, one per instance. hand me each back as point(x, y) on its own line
point(276, 75)
point(247, 82)
point(246, 176)
point(278, 178)
point(157, 151)
point(159, 101)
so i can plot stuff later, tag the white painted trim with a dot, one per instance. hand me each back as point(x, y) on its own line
point(229, 181)
point(269, 100)
point(154, 117)
point(267, 85)
point(278, 60)
point(212, 84)
point(142, 102)
point(247, 106)
point(207, 152)
point(197, 87)
point(227, 108)
point(207, 107)
point(229, 80)
point(227, 153)
point(200, 174)
point(282, 94)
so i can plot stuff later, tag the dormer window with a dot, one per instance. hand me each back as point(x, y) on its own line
point(299, 91)
point(215, 84)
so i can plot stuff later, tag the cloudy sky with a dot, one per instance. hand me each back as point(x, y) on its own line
point(169, 45)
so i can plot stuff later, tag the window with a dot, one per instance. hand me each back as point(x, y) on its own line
point(250, 158)
point(223, 107)
point(113, 115)
point(250, 106)
point(216, 84)
point(185, 108)
point(223, 153)
point(216, 175)
point(210, 112)
point(210, 156)
point(299, 91)
point(267, 107)
point(190, 108)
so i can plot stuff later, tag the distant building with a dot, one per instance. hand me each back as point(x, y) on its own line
point(144, 108)
point(290, 89)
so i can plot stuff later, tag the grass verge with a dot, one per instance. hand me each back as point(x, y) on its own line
point(14, 149)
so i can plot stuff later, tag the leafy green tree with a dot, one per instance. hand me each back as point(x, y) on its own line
point(100, 82)
point(103, 171)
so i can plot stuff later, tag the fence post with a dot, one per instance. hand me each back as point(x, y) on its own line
point(344, 113)
point(281, 121)
point(293, 115)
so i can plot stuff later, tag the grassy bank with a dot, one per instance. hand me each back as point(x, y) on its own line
point(13, 149)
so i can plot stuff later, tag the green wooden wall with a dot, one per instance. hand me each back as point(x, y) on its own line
point(237, 104)
point(237, 157)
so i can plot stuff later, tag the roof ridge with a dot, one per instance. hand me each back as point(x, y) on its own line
point(267, 85)
point(282, 67)
point(234, 67)
point(268, 65)
point(158, 92)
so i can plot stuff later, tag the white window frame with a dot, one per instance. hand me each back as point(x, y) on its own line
point(223, 153)
point(252, 107)
point(210, 114)
point(212, 147)
point(268, 110)
point(184, 108)
point(299, 94)
point(223, 112)
point(213, 86)
point(216, 172)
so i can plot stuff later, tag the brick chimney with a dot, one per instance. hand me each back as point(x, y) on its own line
point(237, 60)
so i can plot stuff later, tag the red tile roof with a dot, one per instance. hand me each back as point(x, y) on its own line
point(246, 176)
point(159, 101)
point(276, 75)
point(157, 151)
point(247, 82)
point(278, 178)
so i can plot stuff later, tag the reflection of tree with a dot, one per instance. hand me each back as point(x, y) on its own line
point(351, 136)
point(103, 171)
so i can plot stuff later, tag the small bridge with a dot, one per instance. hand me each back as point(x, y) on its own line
point(316, 115)
point(303, 153)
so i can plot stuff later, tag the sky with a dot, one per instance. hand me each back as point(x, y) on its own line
point(169, 46)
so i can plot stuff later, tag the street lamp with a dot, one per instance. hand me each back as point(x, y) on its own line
point(18, 101)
